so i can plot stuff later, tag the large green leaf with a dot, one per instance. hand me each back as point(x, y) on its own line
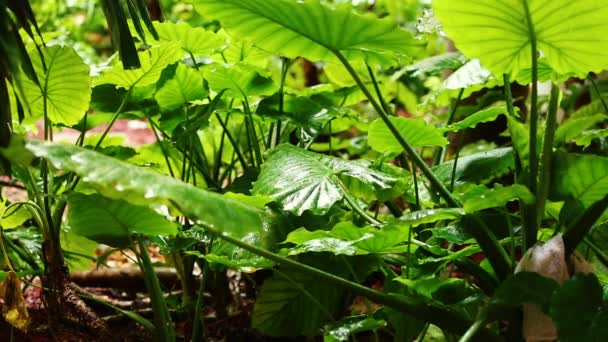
point(568, 33)
point(574, 127)
point(186, 85)
point(139, 186)
point(415, 131)
point(65, 87)
point(153, 62)
point(301, 180)
point(435, 65)
point(112, 222)
point(308, 28)
point(584, 177)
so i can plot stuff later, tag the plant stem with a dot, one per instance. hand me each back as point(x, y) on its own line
point(353, 204)
point(439, 315)
point(486, 239)
point(113, 120)
point(531, 222)
point(435, 182)
point(444, 151)
point(547, 154)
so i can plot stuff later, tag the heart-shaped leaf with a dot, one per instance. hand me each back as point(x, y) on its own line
point(65, 87)
point(309, 29)
point(568, 33)
point(186, 85)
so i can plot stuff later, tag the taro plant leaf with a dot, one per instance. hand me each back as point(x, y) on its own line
point(415, 131)
point(292, 303)
point(65, 87)
point(139, 186)
point(344, 328)
point(584, 177)
point(309, 29)
point(485, 115)
point(187, 85)
point(194, 40)
point(14, 216)
point(153, 62)
point(348, 239)
point(114, 221)
point(578, 311)
point(498, 33)
point(497, 197)
point(228, 255)
point(574, 127)
point(479, 167)
point(585, 138)
point(301, 180)
point(239, 80)
point(469, 78)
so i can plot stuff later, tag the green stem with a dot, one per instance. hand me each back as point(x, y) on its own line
point(472, 331)
point(353, 204)
point(546, 158)
point(486, 239)
point(235, 146)
point(113, 120)
point(532, 225)
point(284, 69)
point(435, 182)
point(439, 315)
point(444, 151)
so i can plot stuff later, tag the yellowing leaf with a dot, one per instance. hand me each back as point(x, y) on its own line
point(13, 308)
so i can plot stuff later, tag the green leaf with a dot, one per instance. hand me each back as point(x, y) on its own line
point(153, 62)
point(577, 310)
point(343, 329)
point(65, 87)
point(479, 167)
point(138, 186)
point(583, 177)
point(13, 217)
point(112, 222)
point(283, 308)
point(498, 34)
point(194, 40)
point(187, 85)
point(347, 239)
point(416, 131)
point(301, 180)
point(585, 138)
point(486, 115)
point(309, 29)
point(239, 80)
point(469, 78)
point(525, 287)
point(498, 197)
point(574, 127)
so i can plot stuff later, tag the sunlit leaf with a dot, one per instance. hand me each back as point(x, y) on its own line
point(153, 62)
point(415, 131)
point(239, 80)
point(186, 85)
point(567, 33)
point(194, 40)
point(65, 87)
point(308, 28)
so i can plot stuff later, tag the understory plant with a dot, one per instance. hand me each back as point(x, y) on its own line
point(341, 157)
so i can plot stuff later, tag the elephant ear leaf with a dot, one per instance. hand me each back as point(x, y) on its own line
point(310, 29)
point(301, 180)
point(501, 33)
